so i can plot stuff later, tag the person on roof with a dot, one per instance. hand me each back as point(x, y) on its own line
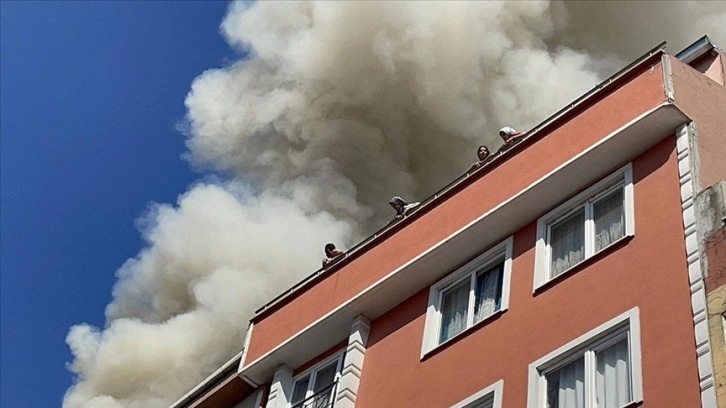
point(402, 207)
point(332, 254)
point(482, 152)
point(509, 135)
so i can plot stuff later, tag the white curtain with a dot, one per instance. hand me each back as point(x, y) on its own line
point(566, 386)
point(454, 306)
point(488, 293)
point(612, 380)
point(609, 220)
point(568, 243)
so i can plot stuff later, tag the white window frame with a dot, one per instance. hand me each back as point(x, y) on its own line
point(313, 371)
point(493, 391)
point(501, 251)
point(622, 177)
point(596, 339)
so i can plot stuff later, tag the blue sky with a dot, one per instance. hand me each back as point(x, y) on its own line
point(90, 95)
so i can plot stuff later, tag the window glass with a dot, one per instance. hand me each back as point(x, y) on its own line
point(325, 377)
point(584, 225)
point(600, 377)
point(612, 380)
point(468, 296)
point(301, 387)
point(609, 215)
point(566, 386)
point(487, 403)
point(488, 292)
point(600, 369)
point(568, 242)
point(454, 306)
point(317, 389)
point(322, 390)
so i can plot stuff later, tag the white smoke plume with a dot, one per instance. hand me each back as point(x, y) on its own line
point(338, 106)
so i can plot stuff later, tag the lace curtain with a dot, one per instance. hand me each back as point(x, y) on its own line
point(568, 243)
point(609, 220)
point(455, 301)
point(612, 380)
point(566, 386)
point(488, 293)
point(454, 306)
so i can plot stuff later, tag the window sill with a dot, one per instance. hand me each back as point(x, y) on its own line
point(584, 263)
point(436, 349)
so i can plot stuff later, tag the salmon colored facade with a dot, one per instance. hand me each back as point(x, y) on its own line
point(641, 94)
point(646, 272)
point(663, 120)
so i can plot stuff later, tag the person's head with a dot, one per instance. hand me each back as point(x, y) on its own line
point(482, 152)
point(329, 248)
point(506, 133)
point(397, 203)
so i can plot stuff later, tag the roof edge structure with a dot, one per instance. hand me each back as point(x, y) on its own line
point(696, 50)
point(213, 379)
point(540, 130)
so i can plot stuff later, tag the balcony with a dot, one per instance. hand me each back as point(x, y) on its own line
point(325, 398)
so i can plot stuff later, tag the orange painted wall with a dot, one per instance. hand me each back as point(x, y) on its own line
point(647, 271)
point(704, 101)
point(624, 104)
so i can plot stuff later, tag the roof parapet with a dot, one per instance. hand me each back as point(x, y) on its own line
point(469, 176)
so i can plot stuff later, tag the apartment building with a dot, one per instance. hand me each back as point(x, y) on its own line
point(583, 266)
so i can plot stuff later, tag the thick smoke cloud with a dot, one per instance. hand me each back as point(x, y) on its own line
point(181, 306)
point(337, 107)
point(354, 103)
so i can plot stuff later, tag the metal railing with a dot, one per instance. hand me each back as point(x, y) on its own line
point(325, 398)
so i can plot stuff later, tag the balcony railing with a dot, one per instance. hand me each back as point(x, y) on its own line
point(325, 398)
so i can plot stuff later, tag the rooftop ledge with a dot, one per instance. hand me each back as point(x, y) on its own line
point(467, 178)
point(610, 152)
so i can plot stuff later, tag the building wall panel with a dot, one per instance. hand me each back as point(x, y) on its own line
point(647, 271)
point(704, 101)
point(512, 175)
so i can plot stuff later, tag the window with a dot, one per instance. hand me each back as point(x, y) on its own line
point(468, 296)
point(598, 370)
point(315, 388)
point(584, 225)
point(489, 397)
